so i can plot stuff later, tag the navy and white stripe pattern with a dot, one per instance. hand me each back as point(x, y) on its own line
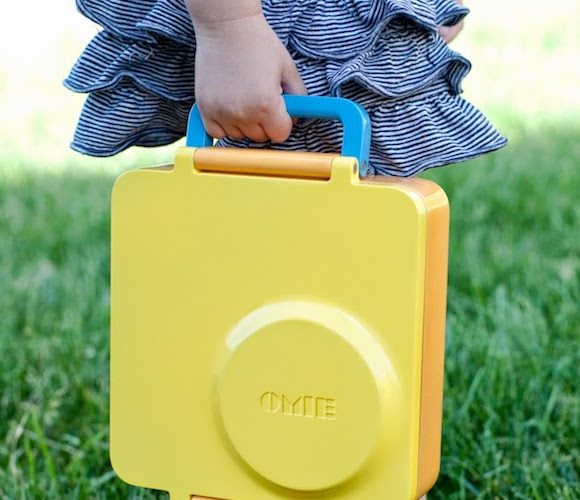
point(384, 54)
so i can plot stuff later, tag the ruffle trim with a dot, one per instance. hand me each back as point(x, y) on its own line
point(166, 67)
point(357, 25)
point(124, 116)
point(431, 129)
point(359, 22)
point(146, 20)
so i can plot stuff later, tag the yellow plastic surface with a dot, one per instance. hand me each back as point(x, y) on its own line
point(268, 333)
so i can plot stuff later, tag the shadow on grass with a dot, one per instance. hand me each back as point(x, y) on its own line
point(510, 407)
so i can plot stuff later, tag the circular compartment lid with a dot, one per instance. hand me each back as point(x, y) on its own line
point(304, 394)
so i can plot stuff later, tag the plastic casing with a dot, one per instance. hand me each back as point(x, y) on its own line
point(277, 337)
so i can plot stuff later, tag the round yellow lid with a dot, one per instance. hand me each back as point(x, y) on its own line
point(303, 394)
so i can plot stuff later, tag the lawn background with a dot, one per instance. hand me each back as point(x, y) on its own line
point(511, 394)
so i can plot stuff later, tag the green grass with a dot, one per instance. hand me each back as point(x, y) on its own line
point(511, 404)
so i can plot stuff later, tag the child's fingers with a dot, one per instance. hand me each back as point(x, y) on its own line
point(449, 33)
point(278, 123)
point(233, 131)
point(292, 82)
point(255, 132)
point(213, 128)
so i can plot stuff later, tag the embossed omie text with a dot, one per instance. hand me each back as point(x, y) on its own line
point(306, 405)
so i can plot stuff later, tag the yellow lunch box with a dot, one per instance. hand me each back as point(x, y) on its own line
point(277, 322)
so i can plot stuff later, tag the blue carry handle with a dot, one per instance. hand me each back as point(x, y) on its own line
point(355, 121)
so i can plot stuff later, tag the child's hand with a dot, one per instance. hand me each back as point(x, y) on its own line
point(448, 33)
point(241, 68)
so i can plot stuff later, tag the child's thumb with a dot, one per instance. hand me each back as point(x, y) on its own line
point(292, 81)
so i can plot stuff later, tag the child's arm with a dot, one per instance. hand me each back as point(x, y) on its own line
point(241, 68)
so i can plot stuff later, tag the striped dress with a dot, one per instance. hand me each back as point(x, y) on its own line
point(386, 55)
